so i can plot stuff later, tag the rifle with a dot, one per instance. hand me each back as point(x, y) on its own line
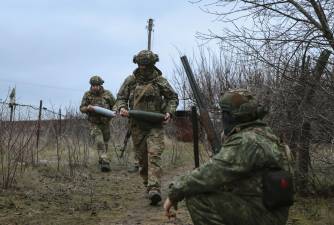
point(125, 142)
point(213, 137)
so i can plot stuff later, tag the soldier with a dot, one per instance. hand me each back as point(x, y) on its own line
point(147, 90)
point(232, 188)
point(99, 125)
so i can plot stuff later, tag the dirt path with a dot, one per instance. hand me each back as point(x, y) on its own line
point(118, 197)
point(44, 196)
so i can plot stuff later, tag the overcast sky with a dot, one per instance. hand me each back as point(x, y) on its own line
point(50, 48)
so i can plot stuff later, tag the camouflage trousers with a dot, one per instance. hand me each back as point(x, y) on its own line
point(149, 145)
point(230, 209)
point(100, 134)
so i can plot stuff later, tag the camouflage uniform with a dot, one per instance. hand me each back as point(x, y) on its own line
point(99, 125)
point(228, 189)
point(147, 91)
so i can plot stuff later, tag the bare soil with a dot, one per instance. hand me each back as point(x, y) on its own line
point(44, 196)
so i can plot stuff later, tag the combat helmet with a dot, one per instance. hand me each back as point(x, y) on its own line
point(242, 105)
point(96, 80)
point(145, 57)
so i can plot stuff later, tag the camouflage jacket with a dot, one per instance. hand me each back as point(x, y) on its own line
point(154, 94)
point(104, 99)
point(247, 152)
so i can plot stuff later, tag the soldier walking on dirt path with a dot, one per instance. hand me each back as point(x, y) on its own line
point(99, 125)
point(248, 182)
point(146, 89)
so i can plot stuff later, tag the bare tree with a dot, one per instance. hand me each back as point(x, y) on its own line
point(299, 101)
point(291, 28)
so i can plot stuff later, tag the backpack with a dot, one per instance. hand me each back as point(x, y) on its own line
point(277, 183)
point(278, 190)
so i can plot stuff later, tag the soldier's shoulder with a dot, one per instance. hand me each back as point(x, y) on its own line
point(234, 140)
point(162, 81)
point(87, 93)
point(129, 80)
point(240, 145)
point(261, 137)
point(107, 92)
point(243, 137)
point(249, 136)
point(161, 78)
point(261, 134)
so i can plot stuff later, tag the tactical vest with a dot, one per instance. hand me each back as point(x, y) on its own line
point(146, 96)
point(102, 100)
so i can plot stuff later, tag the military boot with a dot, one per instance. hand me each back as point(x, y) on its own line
point(133, 168)
point(154, 196)
point(104, 165)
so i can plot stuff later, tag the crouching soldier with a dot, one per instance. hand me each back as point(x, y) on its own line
point(248, 181)
point(99, 124)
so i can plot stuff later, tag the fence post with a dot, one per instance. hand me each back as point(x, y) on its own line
point(37, 133)
point(12, 103)
point(195, 134)
point(58, 137)
point(59, 119)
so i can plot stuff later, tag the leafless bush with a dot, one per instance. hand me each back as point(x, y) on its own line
point(300, 100)
point(16, 142)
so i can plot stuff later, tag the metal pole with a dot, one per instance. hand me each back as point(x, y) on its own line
point(212, 135)
point(38, 132)
point(195, 134)
point(149, 28)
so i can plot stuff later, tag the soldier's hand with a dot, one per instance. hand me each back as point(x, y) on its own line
point(90, 108)
point(124, 112)
point(167, 118)
point(167, 206)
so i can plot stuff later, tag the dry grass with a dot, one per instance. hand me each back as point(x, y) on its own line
point(45, 195)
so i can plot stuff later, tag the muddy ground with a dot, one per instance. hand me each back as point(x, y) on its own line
point(47, 197)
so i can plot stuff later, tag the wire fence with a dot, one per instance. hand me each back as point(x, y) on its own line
point(37, 108)
point(32, 135)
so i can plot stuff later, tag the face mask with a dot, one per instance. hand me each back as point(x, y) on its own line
point(146, 72)
point(228, 122)
point(96, 89)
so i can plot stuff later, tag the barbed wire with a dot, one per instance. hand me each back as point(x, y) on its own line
point(32, 107)
point(40, 85)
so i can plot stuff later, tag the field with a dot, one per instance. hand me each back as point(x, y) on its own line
point(44, 195)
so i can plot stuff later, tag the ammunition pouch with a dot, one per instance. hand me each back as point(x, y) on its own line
point(278, 189)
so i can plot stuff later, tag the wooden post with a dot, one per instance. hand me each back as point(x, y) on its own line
point(304, 154)
point(38, 133)
point(195, 134)
point(11, 112)
point(58, 131)
point(12, 103)
point(59, 120)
